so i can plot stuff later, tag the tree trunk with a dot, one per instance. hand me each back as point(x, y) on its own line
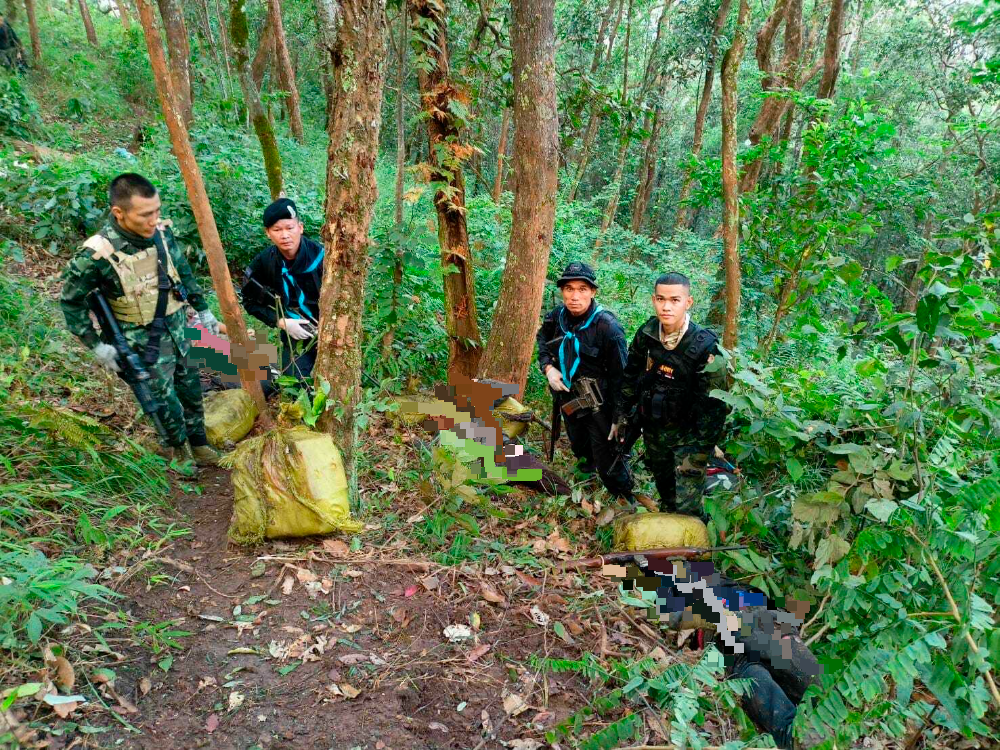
point(440, 95)
point(681, 220)
point(831, 51)
point(227, 49)
point(11, 11)
point(786, 76)
point(261, 122)
point(36, 44)
point(179, 49)
point(595, 63)
point(647, 173)
point(536, 176)
point(594, 122)
point(501, 155)
point(730, 179)
point(397, 265)
point(88, 24)
point(286, 73)
point(627, 125)
point(262, 58)
point(207, 229)
point(210, 42)
point(357, 54)
point(122, 14)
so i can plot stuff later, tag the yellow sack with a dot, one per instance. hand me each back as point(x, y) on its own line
point(511, 407)
point(288, 482)
point(642, 531)
point(229, 416)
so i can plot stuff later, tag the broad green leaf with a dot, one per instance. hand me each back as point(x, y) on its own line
point(882, 509)
point(795, 470)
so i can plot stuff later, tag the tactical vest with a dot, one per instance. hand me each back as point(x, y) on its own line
point(671, 375)
point(138, 277)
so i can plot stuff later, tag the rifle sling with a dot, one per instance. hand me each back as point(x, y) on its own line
point(163, 287)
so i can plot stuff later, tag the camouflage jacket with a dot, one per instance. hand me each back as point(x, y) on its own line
point(84, 274)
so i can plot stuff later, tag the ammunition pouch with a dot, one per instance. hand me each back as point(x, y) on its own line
point(665, 404)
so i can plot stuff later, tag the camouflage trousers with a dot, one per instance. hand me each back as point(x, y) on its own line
point(174, 381)
point(678, 470)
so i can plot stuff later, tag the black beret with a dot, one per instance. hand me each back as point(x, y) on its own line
point(283, 208)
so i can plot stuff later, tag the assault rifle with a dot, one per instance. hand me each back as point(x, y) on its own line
point(642, 558)
point(131, 369)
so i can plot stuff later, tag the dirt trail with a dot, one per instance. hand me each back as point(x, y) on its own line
point(374, 669)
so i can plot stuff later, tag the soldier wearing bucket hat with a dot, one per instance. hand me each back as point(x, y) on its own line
point(581, 352)
point(281, 287)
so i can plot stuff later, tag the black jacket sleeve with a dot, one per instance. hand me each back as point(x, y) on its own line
point(257, 299)
point(614, 352)
point(635, 369)
point(546, 333)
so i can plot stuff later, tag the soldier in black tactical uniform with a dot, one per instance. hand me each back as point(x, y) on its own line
point(281, 288)
point(670, 372)
point(11, 50)
point(581, 351)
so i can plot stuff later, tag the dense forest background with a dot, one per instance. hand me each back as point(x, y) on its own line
point(861, 319)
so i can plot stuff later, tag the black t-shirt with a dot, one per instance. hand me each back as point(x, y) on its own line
point(296, 283)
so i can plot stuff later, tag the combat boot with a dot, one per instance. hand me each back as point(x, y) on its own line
point(205, 455)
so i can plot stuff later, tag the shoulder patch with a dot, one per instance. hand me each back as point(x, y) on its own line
point(102, 247)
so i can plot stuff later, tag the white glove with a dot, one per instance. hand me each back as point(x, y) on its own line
point(614, 431)
point(295, 329)
point(209, 321)
point(555, 379)
point(107, 355)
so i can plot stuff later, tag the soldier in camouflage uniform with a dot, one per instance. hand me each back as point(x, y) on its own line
point(123, 262)
point(670, 371)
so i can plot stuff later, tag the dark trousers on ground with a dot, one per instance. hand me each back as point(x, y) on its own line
point(776, 688)
point(588, 436)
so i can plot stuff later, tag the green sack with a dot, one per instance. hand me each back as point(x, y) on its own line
point(288, 483)
point(229, 416)
point(642, 531)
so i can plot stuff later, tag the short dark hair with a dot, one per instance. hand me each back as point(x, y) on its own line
point(672, 278)
point(126, 185)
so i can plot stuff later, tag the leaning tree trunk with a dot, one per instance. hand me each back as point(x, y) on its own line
point(730, 179)
point(123, 15)
point(179, 49)
point(258, 117)
point(36, 44)
point(198, 197)
point(11, 11)
point(595, 65)
point(831, 50)
point(501, 155)
point(262, 58)
point(647, 173)
point(286, 73)
point(786, 76)
point(536, 177)
point(88, 23)
point(356, 49)
point(440, 98)
point(681, 220)
point(397, 261)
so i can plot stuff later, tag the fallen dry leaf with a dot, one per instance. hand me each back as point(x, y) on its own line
point(430, 582)
point(236, 699)
point(352, 658)
point(438, 726)
point(456, 633)
point(212, 723)
point(490, 594)
point(286, 586)
point(305, 575)
point(478, 652)
point(525, 578)
point(514, 704)
point(145, 685)
point(401, 616)
point(526, 744)
point(349, 691)
point(336, 547)
point(538, 616)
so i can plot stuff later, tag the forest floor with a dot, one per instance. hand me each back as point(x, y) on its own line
point(308, 644)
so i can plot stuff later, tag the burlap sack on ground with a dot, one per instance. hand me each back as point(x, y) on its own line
point(642, 531)
point(288, 483)
point(229, 416)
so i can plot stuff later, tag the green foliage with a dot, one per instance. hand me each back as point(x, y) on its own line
point(18, 110)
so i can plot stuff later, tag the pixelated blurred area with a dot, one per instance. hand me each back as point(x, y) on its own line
point(482, 423)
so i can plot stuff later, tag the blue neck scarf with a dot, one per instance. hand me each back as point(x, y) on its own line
point(570, 337)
